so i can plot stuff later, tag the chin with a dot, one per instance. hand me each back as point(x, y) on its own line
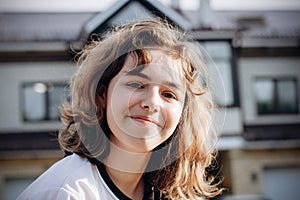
point(143, 146)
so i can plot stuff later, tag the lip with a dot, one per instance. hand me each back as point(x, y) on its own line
point(144, 119)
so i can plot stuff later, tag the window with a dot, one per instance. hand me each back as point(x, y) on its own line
point(276, 95)
point(41, 100)
point(221, 71)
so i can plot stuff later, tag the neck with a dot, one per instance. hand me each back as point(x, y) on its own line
point(126, 170)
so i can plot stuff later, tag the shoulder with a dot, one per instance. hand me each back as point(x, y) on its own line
point(66, 178)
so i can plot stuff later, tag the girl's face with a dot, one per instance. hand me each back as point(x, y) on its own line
point(144, 103)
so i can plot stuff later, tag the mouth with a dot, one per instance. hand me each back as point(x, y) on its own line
point(145, 120)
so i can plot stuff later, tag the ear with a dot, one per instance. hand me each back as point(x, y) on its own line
point(102, 96)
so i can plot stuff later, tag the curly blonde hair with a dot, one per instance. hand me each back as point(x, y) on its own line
point(179, 170)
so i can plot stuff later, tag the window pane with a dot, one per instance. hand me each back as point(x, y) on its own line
point(218, 49)
point(221, 72)
point(287, 96)
point(56, 96)
point(34, 102)
point(224, 68)
point(264, 94)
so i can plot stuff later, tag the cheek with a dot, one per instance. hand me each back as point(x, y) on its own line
point(112, 104)
point(118, 103)
point(120, 100)
point(173, 116)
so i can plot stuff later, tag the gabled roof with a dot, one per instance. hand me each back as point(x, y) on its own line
point(143, 9)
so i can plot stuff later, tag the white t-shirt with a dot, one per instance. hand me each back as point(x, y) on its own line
point(73, 177)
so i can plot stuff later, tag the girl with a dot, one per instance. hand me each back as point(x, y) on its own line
point(139, 125)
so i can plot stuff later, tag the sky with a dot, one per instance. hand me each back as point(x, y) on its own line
point(101, 5)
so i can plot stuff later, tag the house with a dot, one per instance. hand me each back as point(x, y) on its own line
point(254, 62)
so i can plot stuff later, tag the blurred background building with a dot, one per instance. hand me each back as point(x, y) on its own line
point(255, 67)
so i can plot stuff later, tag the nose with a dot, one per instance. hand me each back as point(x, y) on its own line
point(151, 100)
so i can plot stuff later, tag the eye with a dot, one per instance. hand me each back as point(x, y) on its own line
point(136, 85)
point(169, 95)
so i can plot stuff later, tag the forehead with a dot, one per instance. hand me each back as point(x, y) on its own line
point(158, 60)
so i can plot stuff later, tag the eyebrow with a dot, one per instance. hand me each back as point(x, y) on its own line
point(137, 72)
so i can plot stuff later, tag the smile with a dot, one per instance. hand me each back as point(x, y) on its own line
point(145, 120)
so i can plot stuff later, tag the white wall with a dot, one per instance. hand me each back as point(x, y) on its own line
point(230, 121)
point(12, 75)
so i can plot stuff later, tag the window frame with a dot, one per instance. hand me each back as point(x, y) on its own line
point(47, 116)
point(233, 67)
point(277, 110)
